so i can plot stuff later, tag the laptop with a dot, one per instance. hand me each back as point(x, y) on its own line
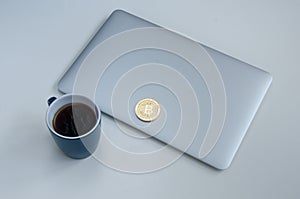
point(207, 99)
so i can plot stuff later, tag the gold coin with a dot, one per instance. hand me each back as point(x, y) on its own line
point(147, 110)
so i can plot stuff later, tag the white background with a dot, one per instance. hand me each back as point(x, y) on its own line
point(39, 40)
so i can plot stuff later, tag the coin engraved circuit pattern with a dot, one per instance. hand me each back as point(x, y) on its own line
point(147, 109)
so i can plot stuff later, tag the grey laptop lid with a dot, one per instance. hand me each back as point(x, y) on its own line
point(208, 99)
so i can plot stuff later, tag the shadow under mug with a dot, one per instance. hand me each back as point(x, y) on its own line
point(80, 146)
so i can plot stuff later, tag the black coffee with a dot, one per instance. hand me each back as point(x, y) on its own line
point(74, 119)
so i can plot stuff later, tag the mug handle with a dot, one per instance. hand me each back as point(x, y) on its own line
point(50, 100)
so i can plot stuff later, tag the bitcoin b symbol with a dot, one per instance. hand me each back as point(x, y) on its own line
point(147, 109)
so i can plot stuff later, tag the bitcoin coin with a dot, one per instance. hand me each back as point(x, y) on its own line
point(147, 109)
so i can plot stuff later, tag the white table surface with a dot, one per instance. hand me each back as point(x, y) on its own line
point(39, 40)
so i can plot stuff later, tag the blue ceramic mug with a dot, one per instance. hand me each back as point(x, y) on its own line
point(80, 146)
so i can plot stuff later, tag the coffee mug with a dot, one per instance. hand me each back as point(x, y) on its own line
point(74, 122)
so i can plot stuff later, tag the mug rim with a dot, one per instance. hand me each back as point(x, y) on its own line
point(49, 123)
